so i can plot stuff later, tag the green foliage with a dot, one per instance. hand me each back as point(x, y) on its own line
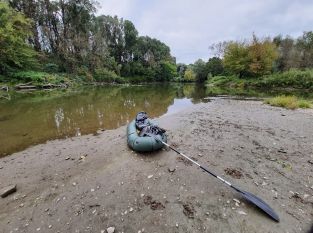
point(15, 53)
point(292, 78)
point(250, 59)
point(51, 68)
point(105, 75)
point(262, 55)
point(73, 39)
point(201, 71)
point(189, 76)
point(236, 60)
point(166, 71)
point(39, 77)
point(215, 66)
point(290, 102)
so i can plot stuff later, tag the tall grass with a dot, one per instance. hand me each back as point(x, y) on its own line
point(290, 102)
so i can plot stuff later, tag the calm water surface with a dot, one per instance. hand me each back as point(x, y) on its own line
point(32, 118)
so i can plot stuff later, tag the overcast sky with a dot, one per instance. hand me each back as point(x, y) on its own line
point(189, 27)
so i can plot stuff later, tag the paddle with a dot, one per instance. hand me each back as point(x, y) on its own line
point(248, 196)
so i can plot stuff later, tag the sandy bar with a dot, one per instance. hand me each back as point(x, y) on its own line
point(92, 182)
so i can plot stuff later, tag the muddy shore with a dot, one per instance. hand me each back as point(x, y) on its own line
point(93, 182)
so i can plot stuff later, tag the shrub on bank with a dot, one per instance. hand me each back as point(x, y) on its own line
point(36, 77)
point(290, 102)
point(107, 76)
point(289, 79)
point(302, 79)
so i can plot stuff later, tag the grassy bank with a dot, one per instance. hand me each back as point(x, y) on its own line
point(290, 102)
point(38, 78)
point(295, 79)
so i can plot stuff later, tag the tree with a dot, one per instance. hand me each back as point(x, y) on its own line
point(236, 60)
point(215, 66)
point(218, 49)
point(201, 71)
point(181, 68)
point(15, 53)
point(261, 56)
point(166, 71)
point(288, 53)
point(305, 45)
point(189, 75)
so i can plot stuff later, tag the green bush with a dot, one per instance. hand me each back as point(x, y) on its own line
point(39, 77)
point(292, 78)
point(29, 76)
point(51, 68)
point(105, 75)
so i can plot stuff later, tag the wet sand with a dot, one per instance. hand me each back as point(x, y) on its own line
point(92, 182)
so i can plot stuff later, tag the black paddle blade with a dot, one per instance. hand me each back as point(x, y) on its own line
point(259, 203)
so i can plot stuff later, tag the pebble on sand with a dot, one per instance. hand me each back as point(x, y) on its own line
point(171, 169)
point(7, 191)
point(111, 230)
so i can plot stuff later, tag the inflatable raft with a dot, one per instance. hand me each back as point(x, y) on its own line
point(143, 143)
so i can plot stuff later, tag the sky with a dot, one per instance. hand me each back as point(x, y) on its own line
point(189, 27)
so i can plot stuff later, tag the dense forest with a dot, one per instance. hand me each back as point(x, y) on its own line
point(66, 38)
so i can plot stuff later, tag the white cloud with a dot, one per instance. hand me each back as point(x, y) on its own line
point(190, 26)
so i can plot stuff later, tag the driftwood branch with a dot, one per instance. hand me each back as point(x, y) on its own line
point(29, 86)
point(4, 88)
point(8, 97)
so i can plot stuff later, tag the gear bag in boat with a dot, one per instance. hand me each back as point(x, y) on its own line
point(146, 127)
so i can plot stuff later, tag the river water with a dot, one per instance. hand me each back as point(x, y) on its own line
point(35, 117)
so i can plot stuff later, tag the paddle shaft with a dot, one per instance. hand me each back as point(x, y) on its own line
point(203, 168)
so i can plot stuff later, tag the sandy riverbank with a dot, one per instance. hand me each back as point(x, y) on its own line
point(90, 183)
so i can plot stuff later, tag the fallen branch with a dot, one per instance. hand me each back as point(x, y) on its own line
point(4, 88)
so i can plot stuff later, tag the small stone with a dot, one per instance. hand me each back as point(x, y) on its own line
point(131, 210)
point(142, 195)
point(74, 184)
point(236, 200)
point(67, 158)
point(22, 205)
point(50, 226)
point(111, 230)
point(171, 169)
point(200, 155)
point(177, 225)
point(38, 229)
point(92, 190)
point(241, 212)
point(1, 167)
point(7, 191)
point(150, 176)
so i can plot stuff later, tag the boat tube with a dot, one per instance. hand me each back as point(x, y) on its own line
point(144, 143)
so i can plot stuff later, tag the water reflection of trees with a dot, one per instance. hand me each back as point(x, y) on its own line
point(85, 111)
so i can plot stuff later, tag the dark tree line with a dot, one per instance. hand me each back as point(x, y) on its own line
point(69, 37)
